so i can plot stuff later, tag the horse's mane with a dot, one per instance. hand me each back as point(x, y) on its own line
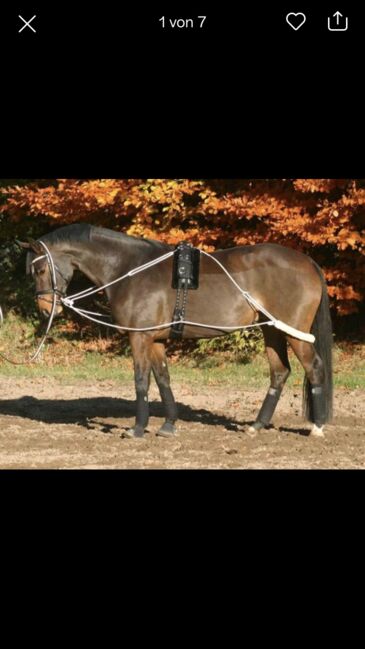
point(98, 233)
point(86, 232)
point(69, 233)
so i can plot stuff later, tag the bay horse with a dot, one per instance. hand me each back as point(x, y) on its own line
point(285, 282)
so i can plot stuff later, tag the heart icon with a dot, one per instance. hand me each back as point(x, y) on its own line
point(296, 20)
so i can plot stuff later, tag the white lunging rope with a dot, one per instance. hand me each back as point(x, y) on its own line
point(165, 325)
point(278, 324)
point(34, 356)
point(69, 302)
point(89, 315)
point(90, 291)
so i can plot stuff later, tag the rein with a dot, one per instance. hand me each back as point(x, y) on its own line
point(59, 297)
point(55, 291)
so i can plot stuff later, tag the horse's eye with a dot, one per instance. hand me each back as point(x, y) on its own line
point(41, 271)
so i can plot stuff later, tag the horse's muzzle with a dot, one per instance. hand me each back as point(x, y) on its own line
point(46, 313)
point(45, 306)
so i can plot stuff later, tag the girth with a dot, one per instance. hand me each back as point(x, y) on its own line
point(185, 276)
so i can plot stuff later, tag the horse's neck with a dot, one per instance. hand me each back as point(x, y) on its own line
point(102, 262)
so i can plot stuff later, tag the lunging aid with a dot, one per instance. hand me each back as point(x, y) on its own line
point(185, 276)
point(186, 259)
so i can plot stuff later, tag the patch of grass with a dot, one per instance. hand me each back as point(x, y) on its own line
point(349, 366)
point(74, 365)
point(99, 359)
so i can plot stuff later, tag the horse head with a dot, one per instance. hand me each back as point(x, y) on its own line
point(52, 272)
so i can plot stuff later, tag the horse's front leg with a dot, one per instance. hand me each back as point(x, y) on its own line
point(141, 345)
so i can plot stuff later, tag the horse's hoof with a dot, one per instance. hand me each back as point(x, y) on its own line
point(167, 430)
point(317, 431)
point(132, 433)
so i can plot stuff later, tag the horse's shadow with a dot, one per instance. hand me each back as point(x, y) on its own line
point(87, 411)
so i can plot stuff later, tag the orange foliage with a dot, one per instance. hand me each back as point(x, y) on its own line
point(322, 217)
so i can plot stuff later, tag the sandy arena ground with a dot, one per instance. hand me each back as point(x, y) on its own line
point(44, 424)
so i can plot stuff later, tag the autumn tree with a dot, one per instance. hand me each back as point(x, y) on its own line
point(322, 217)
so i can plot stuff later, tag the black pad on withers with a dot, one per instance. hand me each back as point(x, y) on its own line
point(268, 406)
point(185, 271)
point(318, 406)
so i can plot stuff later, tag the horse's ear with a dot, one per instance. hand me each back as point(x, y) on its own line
point(31, 244)
point(23, 244)
point(36, 246)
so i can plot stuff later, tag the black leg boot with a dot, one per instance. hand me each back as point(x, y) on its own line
point(318, 406)
point(267, 409)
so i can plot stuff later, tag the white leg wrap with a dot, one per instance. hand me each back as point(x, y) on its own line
point(317, 431)
point(251, 431)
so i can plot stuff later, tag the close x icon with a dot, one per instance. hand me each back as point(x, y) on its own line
point(25, 23)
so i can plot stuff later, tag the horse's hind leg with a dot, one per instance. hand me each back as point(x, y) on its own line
point(161, 374)
point(277, 353)
point(141, 345)
point(314, 369)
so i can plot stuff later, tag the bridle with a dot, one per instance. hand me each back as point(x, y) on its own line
point(57, 296)
point(54, 271)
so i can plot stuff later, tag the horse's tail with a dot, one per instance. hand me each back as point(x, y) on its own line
point(322, 330)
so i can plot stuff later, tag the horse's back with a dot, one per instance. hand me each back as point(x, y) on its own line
point(264, 253)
